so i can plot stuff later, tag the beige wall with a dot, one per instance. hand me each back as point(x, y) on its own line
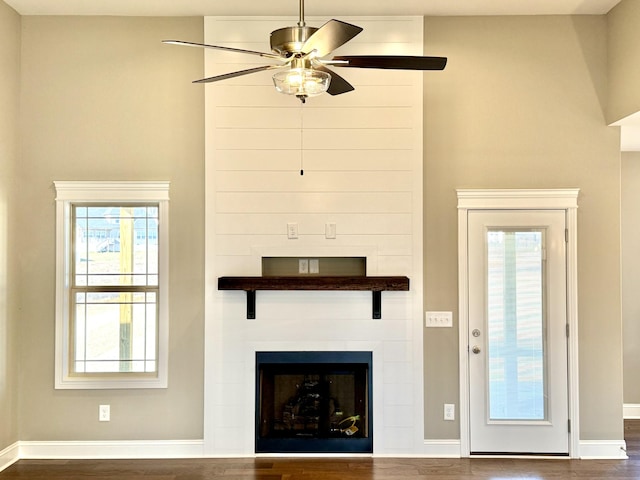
point(624, 60)
point(9, 151)
point(631, 274)
point(103, 99)
point(520, 105)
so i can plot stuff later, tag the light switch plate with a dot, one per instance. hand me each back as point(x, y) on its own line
point(438, 319)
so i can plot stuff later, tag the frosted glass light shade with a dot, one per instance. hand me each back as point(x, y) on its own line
point(302, 82)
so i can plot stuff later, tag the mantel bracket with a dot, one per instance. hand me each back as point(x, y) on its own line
point(377, 305)
point(251, 304)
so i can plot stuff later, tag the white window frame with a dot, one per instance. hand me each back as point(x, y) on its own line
point(74, 192)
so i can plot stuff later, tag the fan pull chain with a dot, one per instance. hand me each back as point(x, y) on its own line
point(301, 140)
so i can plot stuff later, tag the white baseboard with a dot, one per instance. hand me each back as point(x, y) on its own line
point(442, 448)
point(603, 449)
point(589, 449)
point(112, 449)
point(631, 411)
point(9, 456)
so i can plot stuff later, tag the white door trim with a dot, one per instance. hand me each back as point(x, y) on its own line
point(515, 199)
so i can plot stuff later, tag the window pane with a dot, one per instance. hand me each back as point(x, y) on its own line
point(115, 332)
point(115, 245)
point(516, 325)
point(82, 255)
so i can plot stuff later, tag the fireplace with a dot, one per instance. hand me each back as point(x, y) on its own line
point(314, 402)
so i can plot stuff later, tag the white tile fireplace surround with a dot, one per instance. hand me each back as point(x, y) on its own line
point(362, 157)
point(319, 321)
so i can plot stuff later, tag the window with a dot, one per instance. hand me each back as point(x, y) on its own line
point(112, 284)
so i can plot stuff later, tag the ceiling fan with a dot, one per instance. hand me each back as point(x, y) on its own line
point(300, 51)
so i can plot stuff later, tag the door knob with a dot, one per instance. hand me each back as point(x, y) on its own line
point(475, 349)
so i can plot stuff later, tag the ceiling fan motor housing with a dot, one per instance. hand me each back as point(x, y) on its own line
point(289, 40)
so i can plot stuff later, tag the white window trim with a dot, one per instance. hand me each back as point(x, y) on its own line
point(68, 192)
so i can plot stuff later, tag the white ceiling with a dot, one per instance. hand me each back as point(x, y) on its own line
point(312, 7)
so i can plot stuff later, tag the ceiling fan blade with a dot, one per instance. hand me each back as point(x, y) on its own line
point(330, 36)
point(397, 62)
point(338, 85)
point(218, 47)
point(239, 73)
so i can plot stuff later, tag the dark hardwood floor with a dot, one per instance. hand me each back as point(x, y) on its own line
point(336, 468)
point(632, 437)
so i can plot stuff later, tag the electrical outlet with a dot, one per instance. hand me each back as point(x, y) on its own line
point(292, 230)
point(303, 265)
point(314, 265)
point(330, 230)
point(104, 413)
point(449, 411)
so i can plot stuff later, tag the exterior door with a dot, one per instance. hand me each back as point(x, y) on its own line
point(518, 380)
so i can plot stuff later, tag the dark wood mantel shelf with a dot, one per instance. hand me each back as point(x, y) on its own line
point(314, 282)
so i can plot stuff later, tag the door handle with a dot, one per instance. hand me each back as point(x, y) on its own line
point(475, 349)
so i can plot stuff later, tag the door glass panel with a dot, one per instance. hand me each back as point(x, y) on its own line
point(516, 325)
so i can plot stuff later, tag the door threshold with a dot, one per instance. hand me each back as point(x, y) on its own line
point(522, 455)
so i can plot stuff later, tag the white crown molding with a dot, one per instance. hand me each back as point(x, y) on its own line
point(112, 191)
point(515, 199)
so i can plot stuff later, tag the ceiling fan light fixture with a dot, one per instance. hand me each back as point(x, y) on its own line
point(301, 48)
point(302, 82)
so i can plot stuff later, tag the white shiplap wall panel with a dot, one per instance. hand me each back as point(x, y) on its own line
point(357, 138)
point(389, 265)
point(312, 117)
point(229, 95)
point(256, 139)
point(237, 265)
point(327, 202)
point(387, 245)
point(232, 31)
point(347, 118)
point(316, 139)
point(362, 158)
point(313, 224)
point(359, 160)
point(257, 160)
point(261, 181)
point(316, 160)
point(225, 94)
point(251, 117)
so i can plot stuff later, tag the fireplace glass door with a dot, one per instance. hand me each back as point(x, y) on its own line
point(313, 402)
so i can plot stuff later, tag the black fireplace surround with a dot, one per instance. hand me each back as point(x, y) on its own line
point(314, 402)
